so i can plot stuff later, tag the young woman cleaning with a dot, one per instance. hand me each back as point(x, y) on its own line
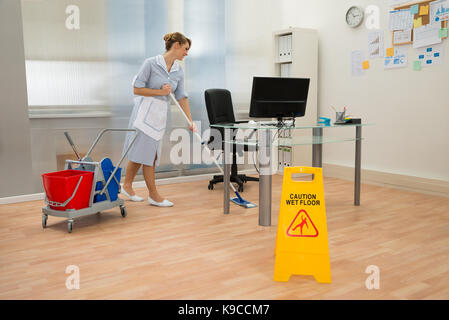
point(158, 77)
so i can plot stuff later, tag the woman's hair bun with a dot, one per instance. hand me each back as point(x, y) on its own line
point(168, 36)
point(171, 38)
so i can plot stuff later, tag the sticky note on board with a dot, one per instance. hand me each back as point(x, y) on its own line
point(390, 52)
point(365, 65)
point(416, 65)
point(414, 9)
point(442, 33)
point(424, 10)
point(417, 23)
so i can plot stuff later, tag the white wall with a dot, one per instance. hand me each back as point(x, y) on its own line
point(249, 28)
point(410, 109)
point(15, 154)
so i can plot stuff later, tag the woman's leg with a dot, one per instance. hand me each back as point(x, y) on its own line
point(131, 170)
point(149, 176)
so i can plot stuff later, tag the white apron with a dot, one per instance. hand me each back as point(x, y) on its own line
point(151, 117)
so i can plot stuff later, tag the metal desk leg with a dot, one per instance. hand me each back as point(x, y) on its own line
point(317, 149)
point(265, 178)
point(226, 170)
point(358, 158)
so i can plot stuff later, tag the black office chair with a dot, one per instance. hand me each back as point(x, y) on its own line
point(220, 110)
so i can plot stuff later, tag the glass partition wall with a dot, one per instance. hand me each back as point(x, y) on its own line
point(81, 57)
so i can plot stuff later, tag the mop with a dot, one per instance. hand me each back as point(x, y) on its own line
point(237, 200)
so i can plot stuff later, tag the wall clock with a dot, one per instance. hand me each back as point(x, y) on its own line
point(354, 16)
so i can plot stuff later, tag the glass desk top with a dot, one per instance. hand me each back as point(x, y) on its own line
point(295, 140)
point(272, 126)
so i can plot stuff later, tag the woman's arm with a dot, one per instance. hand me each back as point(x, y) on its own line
point(184, 103)
point(146, 92)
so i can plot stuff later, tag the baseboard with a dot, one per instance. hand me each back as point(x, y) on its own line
point(136, 184)
point(391, 180)
point(23, 198)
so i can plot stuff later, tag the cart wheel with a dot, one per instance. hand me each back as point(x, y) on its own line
point(69, 226)
point(123, 211)
point(44, 221)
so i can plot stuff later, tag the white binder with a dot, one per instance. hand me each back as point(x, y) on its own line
point(284, 70)
point(281, 48)
point(287, 156)
point(289, 47)
point(281, 159)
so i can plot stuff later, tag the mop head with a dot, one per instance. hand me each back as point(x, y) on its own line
point(242, 202)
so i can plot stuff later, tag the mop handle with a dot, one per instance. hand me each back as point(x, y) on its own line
point(196, 134)
point(182, 111)
point(72, 144)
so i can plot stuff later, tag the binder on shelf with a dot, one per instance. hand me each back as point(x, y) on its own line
point(285, 48)
point(289, 47)
point(281, 48)
point(287, 156)
point(280, 159)
point(284, 70)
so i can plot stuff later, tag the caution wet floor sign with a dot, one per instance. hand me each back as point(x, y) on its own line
point(301, 243)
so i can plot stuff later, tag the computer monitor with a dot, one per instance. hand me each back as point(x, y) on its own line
point(279, 97)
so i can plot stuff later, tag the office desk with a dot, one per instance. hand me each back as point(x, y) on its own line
point(264, 144)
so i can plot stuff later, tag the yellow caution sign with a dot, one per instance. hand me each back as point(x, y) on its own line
point(301, 244)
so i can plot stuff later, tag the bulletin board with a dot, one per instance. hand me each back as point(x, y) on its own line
point(425, 18)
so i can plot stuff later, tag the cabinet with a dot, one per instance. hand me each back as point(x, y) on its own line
point(296, 56)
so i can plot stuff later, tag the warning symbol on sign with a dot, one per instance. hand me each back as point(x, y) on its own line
point(302, 226)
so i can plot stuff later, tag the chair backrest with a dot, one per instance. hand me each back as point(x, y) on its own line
point(219, 106)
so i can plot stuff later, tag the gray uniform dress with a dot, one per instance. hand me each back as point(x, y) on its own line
point(153, 75)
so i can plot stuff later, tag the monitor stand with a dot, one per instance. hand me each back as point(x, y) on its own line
point(281, 122)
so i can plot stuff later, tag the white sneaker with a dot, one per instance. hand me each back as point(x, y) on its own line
point(135, 197)
point(164, 203)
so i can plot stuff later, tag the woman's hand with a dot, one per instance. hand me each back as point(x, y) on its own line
point(166, 89)
point(193, 127)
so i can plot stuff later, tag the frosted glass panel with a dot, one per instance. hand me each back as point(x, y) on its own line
point(60, 83)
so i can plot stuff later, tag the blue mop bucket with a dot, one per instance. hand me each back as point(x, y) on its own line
point(114, 186)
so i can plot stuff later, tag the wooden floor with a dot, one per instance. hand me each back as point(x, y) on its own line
point(193, 251)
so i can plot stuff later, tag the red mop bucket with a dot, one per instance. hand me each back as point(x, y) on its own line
point(68, 189)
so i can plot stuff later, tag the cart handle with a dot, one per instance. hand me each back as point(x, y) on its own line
point(121, 159)
point(59, 204)
point(82, 162)
point(101, 133)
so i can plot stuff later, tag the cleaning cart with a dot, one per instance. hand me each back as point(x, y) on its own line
point(84, 187)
